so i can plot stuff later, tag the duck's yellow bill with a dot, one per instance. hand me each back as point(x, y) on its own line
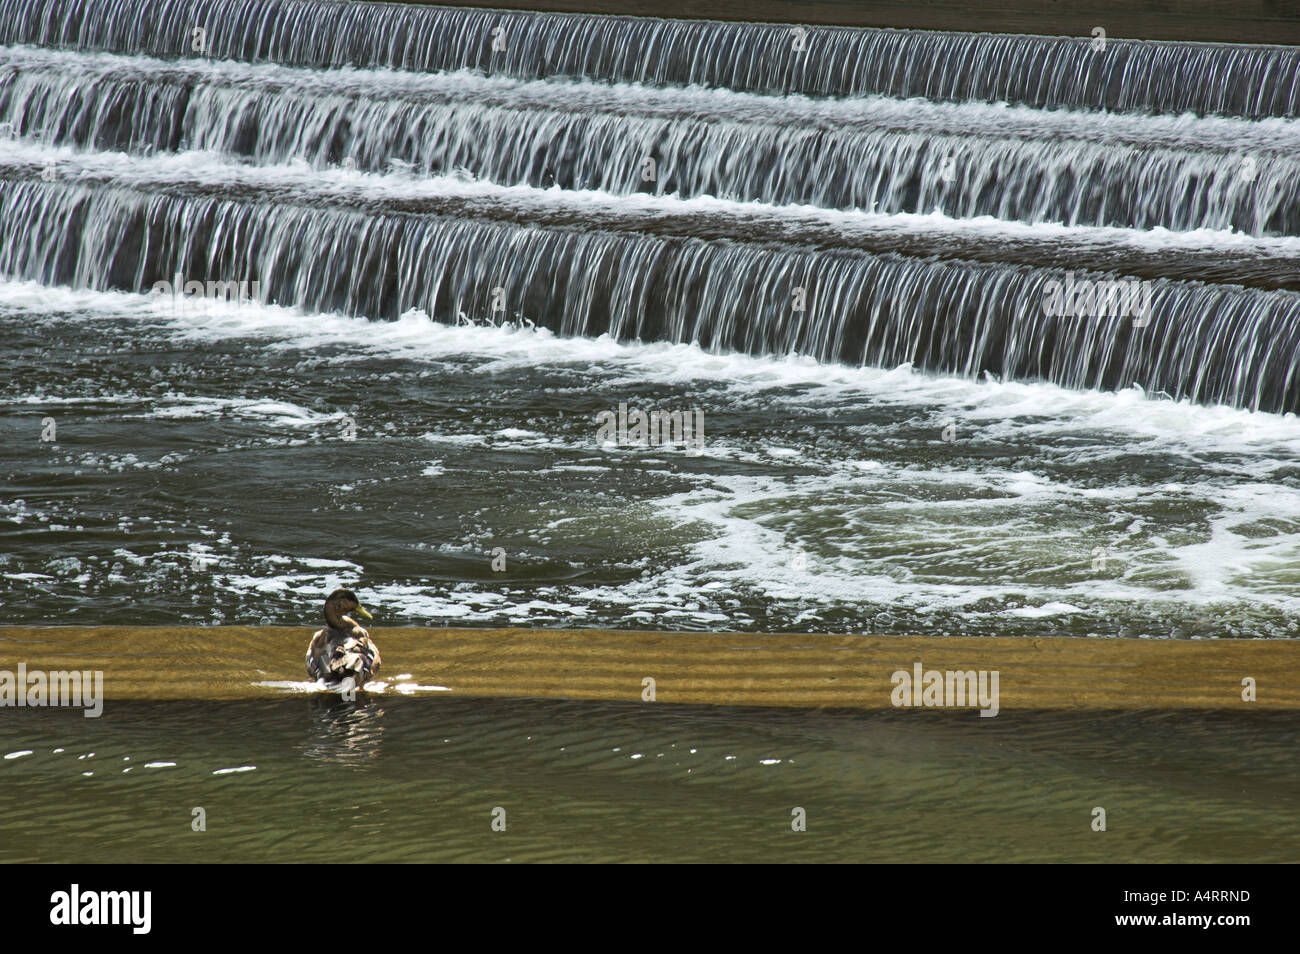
point(362, 610)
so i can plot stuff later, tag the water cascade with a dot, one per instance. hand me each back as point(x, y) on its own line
point(862, 196)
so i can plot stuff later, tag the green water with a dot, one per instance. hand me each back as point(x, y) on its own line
point(419, 780)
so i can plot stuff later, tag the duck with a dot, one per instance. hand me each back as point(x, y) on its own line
point(343, 650)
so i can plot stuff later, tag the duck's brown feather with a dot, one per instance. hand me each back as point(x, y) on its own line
point(336, 653)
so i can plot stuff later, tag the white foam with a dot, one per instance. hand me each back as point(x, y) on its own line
point(1047, 609)
point(998, 408)
point(376, 687)
point(735, 537)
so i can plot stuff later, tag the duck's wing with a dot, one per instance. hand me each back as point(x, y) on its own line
point(317, 655)
point(356, 656)
point(369, 652)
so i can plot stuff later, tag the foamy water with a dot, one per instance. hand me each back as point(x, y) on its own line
point(824, 497)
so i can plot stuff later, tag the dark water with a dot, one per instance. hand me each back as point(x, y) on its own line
point(418, 780)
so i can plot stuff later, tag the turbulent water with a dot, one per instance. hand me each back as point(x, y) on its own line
point(1041, 71)
point(202, 469)
point(461, 235)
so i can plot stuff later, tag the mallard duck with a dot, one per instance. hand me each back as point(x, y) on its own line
point(342, 650)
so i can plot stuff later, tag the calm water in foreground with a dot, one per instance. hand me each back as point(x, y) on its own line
point(418, 780)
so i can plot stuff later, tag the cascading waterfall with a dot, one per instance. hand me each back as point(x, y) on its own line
point(1093, 171)
point(822, 61)
point(1242, 347)
point(601, 104)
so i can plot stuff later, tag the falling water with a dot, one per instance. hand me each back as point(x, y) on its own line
point(1216, 343)
point(344, 157)
point(1078, 168)
point(825, 61)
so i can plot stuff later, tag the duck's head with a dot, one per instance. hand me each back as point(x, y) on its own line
point(340, 603)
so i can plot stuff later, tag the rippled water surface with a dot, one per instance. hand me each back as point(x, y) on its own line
point(418, 780)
